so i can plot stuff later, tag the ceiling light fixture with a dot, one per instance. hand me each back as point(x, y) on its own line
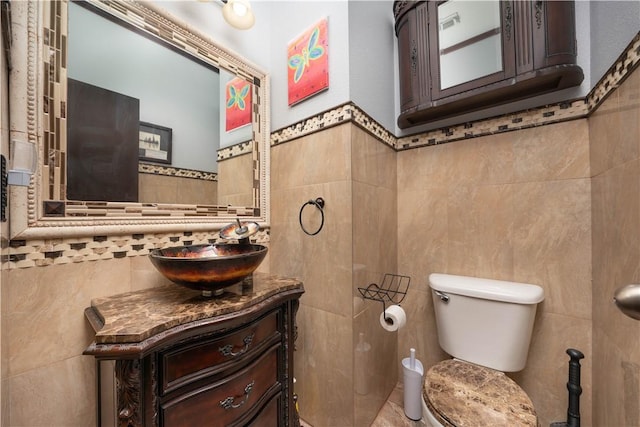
point(238, 14)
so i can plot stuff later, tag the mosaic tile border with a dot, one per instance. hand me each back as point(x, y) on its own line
point(235, 150)
point(38, 253)
point(154, 169)
point(41, 253)
point(616, 74)
point(563, 111)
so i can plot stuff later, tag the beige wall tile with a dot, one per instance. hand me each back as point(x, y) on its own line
point(326, 352)
point(373, 368)
point(480, 231)
point(157, 189)
point(616, 379)
point(374, 229)
point(235, 181)
point(546, 374)
point(559, 151)
point(417, 169)
point(372, 162)
point(327, 155)
point(327, 257)
point(616, 225)
point(144, 275)
point(59, 394)
point(374, 255)
point(170, 189)
point(614, 127)
point(355, 247)
point(615, 157)
point(287, 167)
point(423, 223)
point(45, 310)
point(552, 243)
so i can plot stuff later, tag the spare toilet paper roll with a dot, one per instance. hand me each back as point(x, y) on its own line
point(393, 318)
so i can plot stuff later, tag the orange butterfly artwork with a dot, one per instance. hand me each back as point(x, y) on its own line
point(308, 63)
point(238, 103)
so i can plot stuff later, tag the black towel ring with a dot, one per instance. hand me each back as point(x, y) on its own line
point(318, 203)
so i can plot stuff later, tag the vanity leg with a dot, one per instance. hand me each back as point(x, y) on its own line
point(128, 377)
point(98, 394)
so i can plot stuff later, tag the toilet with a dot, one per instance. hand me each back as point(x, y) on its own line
point(485, 325)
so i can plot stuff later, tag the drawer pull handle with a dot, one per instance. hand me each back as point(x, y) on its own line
point(228, 402)
point(227, 350)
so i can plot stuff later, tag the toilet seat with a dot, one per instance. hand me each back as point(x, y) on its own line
point(460, 393)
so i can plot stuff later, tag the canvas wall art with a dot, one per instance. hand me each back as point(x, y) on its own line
point(308, 63)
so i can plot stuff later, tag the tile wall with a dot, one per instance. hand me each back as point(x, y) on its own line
point(615, 167)
point(512, 206)
point(155, 188)
point(338, 385)
point(237, 191)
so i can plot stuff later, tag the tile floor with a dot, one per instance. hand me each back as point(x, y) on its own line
point(392, 413)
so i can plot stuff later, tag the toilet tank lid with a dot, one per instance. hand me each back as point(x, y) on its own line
point(498, 290)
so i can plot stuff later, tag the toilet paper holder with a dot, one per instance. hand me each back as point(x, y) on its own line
point(392, 289)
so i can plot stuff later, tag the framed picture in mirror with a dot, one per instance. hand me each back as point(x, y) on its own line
point(154, 143)
point(238, 104)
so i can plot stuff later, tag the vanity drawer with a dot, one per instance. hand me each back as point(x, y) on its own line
point(268, 416)
point(231, 401)
point(204, 358)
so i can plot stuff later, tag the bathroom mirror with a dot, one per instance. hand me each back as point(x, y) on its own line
point(239, 170)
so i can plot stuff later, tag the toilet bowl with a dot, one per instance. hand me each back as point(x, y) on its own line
point(486, 326)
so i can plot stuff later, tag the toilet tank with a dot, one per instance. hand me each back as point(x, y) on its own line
point(484, 321)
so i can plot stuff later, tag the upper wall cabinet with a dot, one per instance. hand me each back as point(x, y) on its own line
point(459, 56)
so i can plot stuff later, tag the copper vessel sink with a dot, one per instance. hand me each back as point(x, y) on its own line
point(208, 268)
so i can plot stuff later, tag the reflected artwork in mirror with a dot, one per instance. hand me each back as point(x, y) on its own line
point(174, 84)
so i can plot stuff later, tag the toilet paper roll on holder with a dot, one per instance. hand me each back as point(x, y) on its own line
point(392, 290)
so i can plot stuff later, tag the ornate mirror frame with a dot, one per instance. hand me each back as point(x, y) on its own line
point(38, 117)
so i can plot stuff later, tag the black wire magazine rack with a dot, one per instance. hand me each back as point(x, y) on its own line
point(391, 291)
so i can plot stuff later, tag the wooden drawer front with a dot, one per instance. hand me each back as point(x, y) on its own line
point(187, 364)
point(268, 417)
point(230, 401)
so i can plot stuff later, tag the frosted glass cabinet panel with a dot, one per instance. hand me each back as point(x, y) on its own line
point(469, 40)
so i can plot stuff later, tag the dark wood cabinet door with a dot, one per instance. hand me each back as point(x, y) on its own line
point(553, 33)
point(413, 57)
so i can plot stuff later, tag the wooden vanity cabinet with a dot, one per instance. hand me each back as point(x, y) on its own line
point(234, 368)
point(226, 377)
point(535, 48)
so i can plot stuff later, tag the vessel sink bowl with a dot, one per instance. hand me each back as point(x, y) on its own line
point(208, 268)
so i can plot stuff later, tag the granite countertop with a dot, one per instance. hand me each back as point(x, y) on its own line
point(133, 317)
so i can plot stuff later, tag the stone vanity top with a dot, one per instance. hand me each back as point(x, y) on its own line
point(134, 317)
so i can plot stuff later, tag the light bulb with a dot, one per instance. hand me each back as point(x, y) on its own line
point(238, 14)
